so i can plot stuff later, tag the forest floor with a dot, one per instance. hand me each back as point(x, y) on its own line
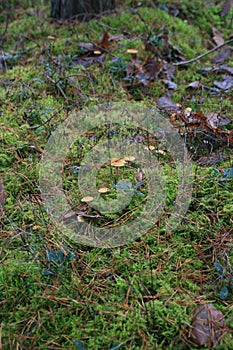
point(60, 292)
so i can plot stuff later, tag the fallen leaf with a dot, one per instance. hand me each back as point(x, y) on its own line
point(214, 120)
point(168, 71)
point(194, 85)
point(225, 84)
point(217, 36)
point(170, 84)
point(152, 67)
point(222, 68)
point(226, 7)
point(165, 102)
point(222, 56)
point(86, 46)
point(87, 61)
point(226, 68)
point(143, 73)
point(116, 37)
point(104, 41)
point(208, 325)
point(211, 159)
point(161, 47)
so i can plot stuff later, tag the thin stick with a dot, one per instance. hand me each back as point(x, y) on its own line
point(204, 54)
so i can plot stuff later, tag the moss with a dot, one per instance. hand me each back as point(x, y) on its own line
point(139, 295)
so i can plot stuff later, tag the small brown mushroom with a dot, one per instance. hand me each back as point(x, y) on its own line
point(132, 51)
point(129, 158)
point(87, 199)
point(117, 162)
point(103, 190)
point(150, 148)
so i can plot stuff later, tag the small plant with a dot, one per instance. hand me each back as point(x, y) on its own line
point(226, 281)
point(57, 260)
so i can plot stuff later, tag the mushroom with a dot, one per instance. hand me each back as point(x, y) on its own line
point(133, 52)
point(117, 162)
point(103, 190)
point(87, 199)
point(150, 147)
point(129, 158)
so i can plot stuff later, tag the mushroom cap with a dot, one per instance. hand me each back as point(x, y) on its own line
point(118, 162)
point(132, 51)
point(150, 147)
point(129, 158)
point(103, 190)
point(87, 199)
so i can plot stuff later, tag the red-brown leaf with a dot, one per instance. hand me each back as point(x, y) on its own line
point(208, 325)
point(104, 41)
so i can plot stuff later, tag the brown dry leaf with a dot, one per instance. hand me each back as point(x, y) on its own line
point(170, 84)
point(177, 54)
point(226, 83)
point(214, 120)
point(161, 47)
point(194, 85)
point(152, 68)
point(217, 36)
point(226, 7)
point(223, 68)
point(2, 198)
point(132, 68)
point(143, 73)
point(208, 325)
point(87, 61)
point(135, 71)
point(226, 68)
point(116, 37)
point(104, 41)
point(199, 116)
point(222, 56)
point(86, 46)
point(166, 103)
point(168, 71)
